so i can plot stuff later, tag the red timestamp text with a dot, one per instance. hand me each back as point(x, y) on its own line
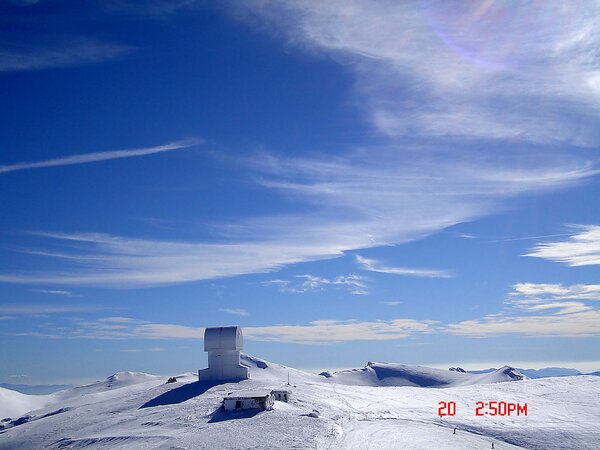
point(446, 409)
point(491, 408)
point(500, 409)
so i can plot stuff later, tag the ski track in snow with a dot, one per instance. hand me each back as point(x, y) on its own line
point(140, 411)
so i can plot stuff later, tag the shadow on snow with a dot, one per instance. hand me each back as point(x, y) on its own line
point(220, 415)
point(180, 394)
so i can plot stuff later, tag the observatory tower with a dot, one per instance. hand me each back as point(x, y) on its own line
point(223, 345)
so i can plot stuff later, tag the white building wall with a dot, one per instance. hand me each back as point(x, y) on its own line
point(233, 404)
point(223, 345)
point(281, 395)
point(223, 338)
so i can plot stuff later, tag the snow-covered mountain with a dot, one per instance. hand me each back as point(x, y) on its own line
point(13, 403)
point(539, 373)
point(390, 374)
point(356, 409)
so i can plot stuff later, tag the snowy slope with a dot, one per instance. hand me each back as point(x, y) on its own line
point(539, 373)
point(505, 373)
point(390, 374)
point(13, 403)
point(116, 381)
point(141, 411)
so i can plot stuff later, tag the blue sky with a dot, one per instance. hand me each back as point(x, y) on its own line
point(413, 182)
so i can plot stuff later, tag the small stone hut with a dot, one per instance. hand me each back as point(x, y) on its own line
point(282, 395)
point(248, 400)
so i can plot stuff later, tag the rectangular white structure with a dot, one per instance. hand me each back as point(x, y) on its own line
point(281, 395)
point(249, 400)
point(223, 345)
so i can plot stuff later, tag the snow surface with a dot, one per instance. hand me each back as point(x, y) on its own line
point(390, 374)
point(13, 403)
point(540, 373)
point(356, 409)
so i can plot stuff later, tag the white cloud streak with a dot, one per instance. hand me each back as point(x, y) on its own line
point(78, 51)
point(53, 292)
point(527, 293)
point(41, 309)
point(500, 70)
point(125, 262)
point(374, 266)
point(355, 284)
point(331, 331)
point(582, 249)
point(540, 310)
point(235, 311)
point(86, 158)
point(315, 332)
point(573, 324)
point(354, 202)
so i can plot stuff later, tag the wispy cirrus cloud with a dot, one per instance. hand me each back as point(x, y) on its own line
point(397, 194)
point(235, 311)
point(53, 292)
point(28, 309)
point(375, 266)
point(355, 284)
point(143, 350)
point(86, 158)
point(537, 309)
point(315, 332)
point(352, 202)
point(331, 331)
point(105, 260)
point(540, 310)
point(498, 70)
point(481, 82)
point(528, 238)
point(581, 249)
point(580, 322)
point(392, 303)
point(118, 319)
point(527, 293)
point(75, 52)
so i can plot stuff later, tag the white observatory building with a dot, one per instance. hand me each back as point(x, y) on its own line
point(223, 345)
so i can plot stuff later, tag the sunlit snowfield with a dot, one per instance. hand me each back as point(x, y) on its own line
point(134, 410)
